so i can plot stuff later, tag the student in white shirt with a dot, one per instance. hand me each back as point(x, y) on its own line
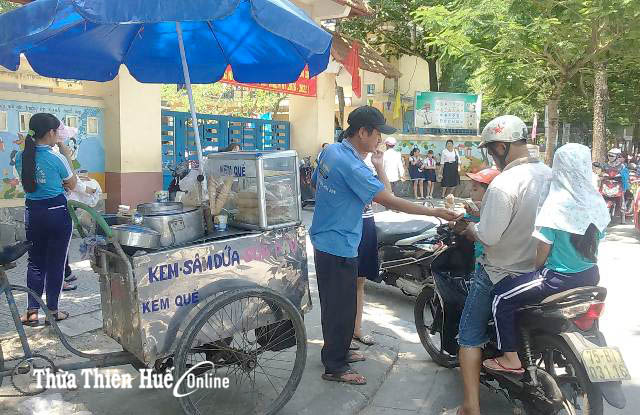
point(393, 166)
point(450, 175)
point(429, 171)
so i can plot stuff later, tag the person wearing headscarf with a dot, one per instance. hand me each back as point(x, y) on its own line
point(569, 227)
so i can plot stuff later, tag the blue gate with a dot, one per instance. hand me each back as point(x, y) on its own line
point(216, 133)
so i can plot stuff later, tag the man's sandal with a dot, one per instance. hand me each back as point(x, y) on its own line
point(28, 320)
point(59, 316)
point(357, 378)
point(499, 367)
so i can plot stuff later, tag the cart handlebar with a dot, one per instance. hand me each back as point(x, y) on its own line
point(72, 205)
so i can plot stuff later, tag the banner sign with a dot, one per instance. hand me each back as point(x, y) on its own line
point(448, 113)
point(304, 86)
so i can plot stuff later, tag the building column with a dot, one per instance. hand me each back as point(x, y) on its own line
point(133, 154)
point(313, 119)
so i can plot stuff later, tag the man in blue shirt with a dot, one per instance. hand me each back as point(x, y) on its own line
point(344, 186)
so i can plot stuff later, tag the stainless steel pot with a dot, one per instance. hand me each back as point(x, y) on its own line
point(160, 208)
point(136, 236)
point(177, 228)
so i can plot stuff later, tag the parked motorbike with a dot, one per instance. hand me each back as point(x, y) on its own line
point(178, 173)
point(405, 251)
point(307, 194)
point(569, 367)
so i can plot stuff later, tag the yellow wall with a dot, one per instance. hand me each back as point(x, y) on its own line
point(132, 124)
point(312, 119)
point(415, 75)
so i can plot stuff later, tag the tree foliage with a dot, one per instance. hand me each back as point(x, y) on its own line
point(5, 6)
point(527, 52)
point(392, 31)
point(224, 99)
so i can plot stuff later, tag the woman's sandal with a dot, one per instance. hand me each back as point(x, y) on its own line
point(28, 320)
point(354, 346)
point(354, 378)
point(59, 316)
point(367, 339)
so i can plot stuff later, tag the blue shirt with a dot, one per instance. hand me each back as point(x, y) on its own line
point(478, 248)
point(344, 186)
point(51, 169)
point(563, 257)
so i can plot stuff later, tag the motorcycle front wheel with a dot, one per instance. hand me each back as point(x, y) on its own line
point(428, 314)
point(581, 397)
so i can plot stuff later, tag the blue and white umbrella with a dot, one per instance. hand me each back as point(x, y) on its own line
point(165, 41)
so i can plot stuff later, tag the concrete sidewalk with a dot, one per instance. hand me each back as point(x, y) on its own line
point(313, 396)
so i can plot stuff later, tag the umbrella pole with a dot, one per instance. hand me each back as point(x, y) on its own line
point(192, 105)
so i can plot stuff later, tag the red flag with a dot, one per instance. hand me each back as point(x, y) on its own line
point(353, 67)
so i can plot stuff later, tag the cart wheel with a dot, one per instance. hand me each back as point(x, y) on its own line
point(262, 374)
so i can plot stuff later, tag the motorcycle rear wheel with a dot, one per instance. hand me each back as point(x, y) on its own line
point(581, 397)
point(428, 314)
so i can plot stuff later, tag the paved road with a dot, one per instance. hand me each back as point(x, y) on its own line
point(405, 382)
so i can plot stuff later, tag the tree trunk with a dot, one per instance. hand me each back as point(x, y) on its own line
point(340, 92)
point(600, 97)
point(433, 74)
point(553, 115)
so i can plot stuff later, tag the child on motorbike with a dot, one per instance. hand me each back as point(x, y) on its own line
point(479, 184)
point(569, 227)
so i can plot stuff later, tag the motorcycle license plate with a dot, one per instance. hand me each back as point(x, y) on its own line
point(605, 364)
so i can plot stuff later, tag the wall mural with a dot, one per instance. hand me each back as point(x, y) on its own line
point(88, 146)
point(472, 159)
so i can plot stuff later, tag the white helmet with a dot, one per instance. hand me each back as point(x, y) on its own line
point(504, 129)
point(615, 151)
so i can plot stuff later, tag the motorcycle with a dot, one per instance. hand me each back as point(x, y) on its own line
point(307, 193)
point(611, 190)
point(568, 365)
point(405, 252)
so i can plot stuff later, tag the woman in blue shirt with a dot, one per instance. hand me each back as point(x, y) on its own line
point(45, 174)
point(569, 228)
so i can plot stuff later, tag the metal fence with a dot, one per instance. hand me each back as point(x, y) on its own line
point(216, 133)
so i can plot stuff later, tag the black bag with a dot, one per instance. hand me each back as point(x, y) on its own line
point(277, 336)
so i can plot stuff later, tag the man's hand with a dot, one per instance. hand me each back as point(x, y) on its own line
point(377, 160)
point(446, 214)
point(472, 210)
point(468, 232)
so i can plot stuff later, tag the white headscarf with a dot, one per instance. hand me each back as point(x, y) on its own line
point(573, 203)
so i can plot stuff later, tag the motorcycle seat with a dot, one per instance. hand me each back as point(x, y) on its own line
point(568, 298)
point(576, 294)
point(13, 252)
point(391, 232)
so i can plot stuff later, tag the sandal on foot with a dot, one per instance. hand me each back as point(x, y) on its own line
point(453, 411)
point(28, 320)
point(354, 346)
point(59, 316)
point(354, 378)
point(70, 278)
point(69, 287)
point(366, 339)
point(499, 367)
point(353, 357)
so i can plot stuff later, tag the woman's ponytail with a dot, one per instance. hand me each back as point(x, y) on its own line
point(39, 125)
